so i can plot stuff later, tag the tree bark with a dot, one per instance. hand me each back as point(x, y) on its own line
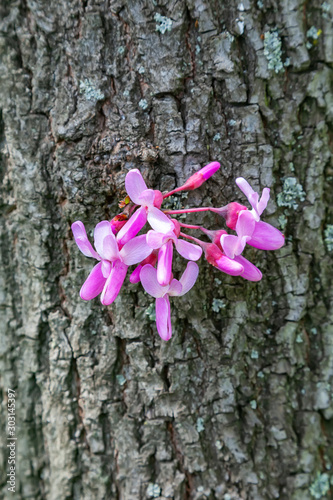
point(238, 404)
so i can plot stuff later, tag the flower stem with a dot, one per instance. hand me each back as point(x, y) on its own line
point(201, 243)
point(190, 226)
point(181, 188)
point(187, 210)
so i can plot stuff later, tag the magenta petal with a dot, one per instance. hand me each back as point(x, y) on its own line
point(229, 266)
point(102, 230)
point(114, 283)
point(229, 243)
point(175, 288)
point(263, 201)
point(245, 187)
point(135, 250)
point(135, 276)
point(159, 221)
point(163, 320)
point(188, 250)
point(135, 185)
point(189, 277)
point(132, 226)
point(110, 248)
point(266, 237)
point(81, 239)
point(164, 264)
point(156, 240)
point(245, 223)
point(94, 284)
point(147, 197)
point(251, 272)
point(148, 277)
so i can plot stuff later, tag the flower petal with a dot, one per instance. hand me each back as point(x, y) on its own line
point(164, 264)
point(266, 237)
point(163, 320)
point(135, 276)
point(132, 226)
point(175, 288)
point(135, 185)
point(245, 187)
point(148, 277)
point(233, 245)
point(81, 239)
point(263, 201)
point(147, 197)
point(159, 221)
point(135, 250)
point(94, 284)
point(245, 224)
point(229, 266)
point(110, 248)
point(156, 240)
point(102, 230)
point(251, 272)
point(189, 277)
point(114, 283)
point(188, 250)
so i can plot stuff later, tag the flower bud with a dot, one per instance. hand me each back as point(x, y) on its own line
point(200, 177)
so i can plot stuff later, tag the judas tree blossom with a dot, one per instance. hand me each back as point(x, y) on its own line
point(117, 245)
point(150, 202)
point(148, 277)
point(108, 275)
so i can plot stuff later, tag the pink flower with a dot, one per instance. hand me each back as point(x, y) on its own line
point(263, 235)
point(150, 202)
point(148, 277)
point(165, 242)
point(108, 275)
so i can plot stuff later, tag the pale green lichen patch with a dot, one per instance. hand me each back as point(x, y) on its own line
point(150, 312)
point(326, 8)
point(90, 91)
point(143, 104)
point(253, 404)
point(153, 490)
point(283, 222)
point(217, 305)
point(121, 379)
point(320, 485)
point(273, 51)
point(329, 237)
point(164, 23)
point(200, 425)
point(313, 34)
point(292, 191)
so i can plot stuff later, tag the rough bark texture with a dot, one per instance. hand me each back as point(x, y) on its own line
point(238, 405)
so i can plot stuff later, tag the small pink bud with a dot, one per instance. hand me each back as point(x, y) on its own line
point(200, 177)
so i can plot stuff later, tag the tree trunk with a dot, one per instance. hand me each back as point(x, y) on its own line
point(238, 404)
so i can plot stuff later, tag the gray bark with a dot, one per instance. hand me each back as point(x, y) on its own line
point(238, 405)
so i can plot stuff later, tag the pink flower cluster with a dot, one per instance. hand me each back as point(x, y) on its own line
point(117, 245)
